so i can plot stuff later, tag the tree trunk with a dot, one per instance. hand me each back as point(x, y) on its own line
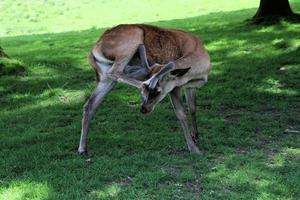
point(273, 11)
point(2, 53)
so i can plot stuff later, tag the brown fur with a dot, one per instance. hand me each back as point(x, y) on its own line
point(189, 68)
point(162, 45)
point(92, 62)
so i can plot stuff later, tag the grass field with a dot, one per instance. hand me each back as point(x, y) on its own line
point(52, 16)
point(245, 113)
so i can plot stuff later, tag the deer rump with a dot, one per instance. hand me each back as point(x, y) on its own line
point(162, 46)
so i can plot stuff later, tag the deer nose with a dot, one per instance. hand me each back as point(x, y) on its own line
point(144, 110)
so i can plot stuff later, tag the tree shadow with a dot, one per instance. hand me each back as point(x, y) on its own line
point(251, 97)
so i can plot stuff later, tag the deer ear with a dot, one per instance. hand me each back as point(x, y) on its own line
point(161, 73)
point(179, 72)
point(165, 69)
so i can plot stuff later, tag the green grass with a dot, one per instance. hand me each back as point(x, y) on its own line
point(251, 98)
point(52, 16)
point(10, 66)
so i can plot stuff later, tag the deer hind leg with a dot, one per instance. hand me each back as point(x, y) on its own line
point(190, 95)
point(180, 113)
point(122, 60)
point(102, 89)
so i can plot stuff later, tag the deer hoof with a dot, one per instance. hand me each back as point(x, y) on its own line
point(195, 138)
point(195, 150)
point(82, 152)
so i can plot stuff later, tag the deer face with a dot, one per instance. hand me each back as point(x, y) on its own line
point(158, 86)
point(150, 97)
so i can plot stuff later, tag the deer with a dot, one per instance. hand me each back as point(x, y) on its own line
point(158, 62)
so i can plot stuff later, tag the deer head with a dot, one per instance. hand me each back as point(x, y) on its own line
point(159, 85)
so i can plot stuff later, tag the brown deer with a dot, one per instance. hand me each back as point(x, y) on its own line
point(120, 56)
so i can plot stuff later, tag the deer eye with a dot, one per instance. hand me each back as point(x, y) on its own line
point(145, 86)
point(153, 93)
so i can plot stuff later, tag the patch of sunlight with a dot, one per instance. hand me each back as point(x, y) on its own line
point(292, 151)
point(279, 28)
point(20, 96)
point(72, 96)
point(273, 86)
point(291, 44)
point(47, 98)
point(265, 29)
point(218, 171)
point(276, 161)
point(264, 196)
point(240, 53)
point(66, 15)
point(25, 190)
point(216, 72)
point(295, 44)
point(224, 43)
point(1, 88)
point(216, 45)
point(217, 68)
point(291, 27)
point(291, 67)
point(262, 182)
point(239, 175)
point(61, 95)
point(217, 63)
point(110, 191)
point(260, 179)
point(280, 43)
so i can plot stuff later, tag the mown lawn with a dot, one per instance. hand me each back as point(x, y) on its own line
point(18, 17)
point(248, 117)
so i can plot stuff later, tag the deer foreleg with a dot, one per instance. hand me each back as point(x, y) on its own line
point(191, 103)
point(180, 113)
point(102, 89)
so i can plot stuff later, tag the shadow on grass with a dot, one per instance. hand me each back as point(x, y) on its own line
point(251, 98)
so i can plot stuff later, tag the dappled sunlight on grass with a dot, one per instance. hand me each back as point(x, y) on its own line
point(31, 17)
point(276, 160)
point(274, 86)
point(110, 191)
point(217, 44)
point(251, 98)
point(251, 173)
point(20, 190)
point(73, 96)
point(50, 97)
point(292, 151)
point(267, 29)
